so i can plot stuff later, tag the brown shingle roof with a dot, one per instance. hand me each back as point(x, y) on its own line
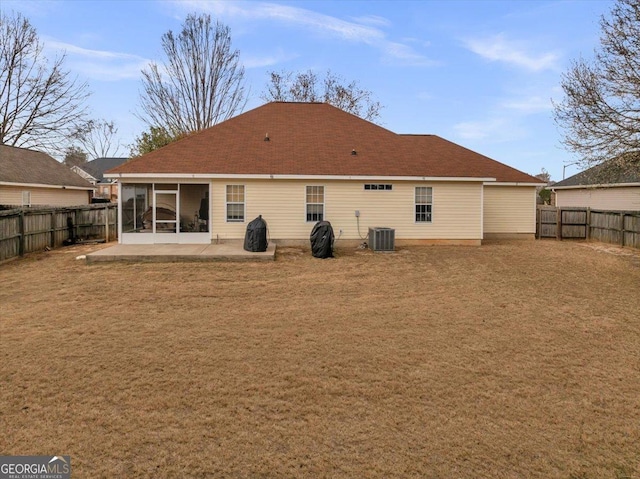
point(315, 139)
point(20, 165)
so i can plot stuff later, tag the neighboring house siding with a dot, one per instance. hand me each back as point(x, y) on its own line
point(84, 174)
point(614, 198)
point(456, 209)
point(12, 195)
point(509, 210)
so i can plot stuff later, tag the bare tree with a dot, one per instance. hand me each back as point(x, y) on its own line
point(600, 113)
point(40, 104)
point(98, 138)
point(332, 89)
point(200, 84)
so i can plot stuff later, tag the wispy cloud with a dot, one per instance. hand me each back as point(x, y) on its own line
point(256, 61)
point(532, 104)
point(405, 54)
point(99, 64)
point(364, 30)
point(499, 48)
point(346, 30)
point(372, 20)
point(494, 130)
point(31, 9)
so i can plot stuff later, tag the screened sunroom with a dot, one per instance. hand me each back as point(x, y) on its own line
point(164, 213)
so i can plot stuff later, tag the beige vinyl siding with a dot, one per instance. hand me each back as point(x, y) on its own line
point(12, 195)
point(509, 209)
point(625, 198)
point(456, 209)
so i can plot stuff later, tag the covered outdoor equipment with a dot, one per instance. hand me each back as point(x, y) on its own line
point(255, 239)
point(322, 240)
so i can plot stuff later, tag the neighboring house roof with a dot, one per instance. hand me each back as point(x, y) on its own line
point(608, 173)
point(87, 176)
point(315, 139)
point(96, 168)
point(30, 167)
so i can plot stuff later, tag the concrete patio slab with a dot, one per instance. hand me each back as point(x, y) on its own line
point(168, 253)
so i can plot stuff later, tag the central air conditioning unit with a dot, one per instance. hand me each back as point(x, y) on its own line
point(382, 239)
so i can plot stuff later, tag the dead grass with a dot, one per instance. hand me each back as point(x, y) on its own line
point(508, 360)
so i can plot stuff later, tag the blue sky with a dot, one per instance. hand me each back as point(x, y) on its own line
point(480, 73)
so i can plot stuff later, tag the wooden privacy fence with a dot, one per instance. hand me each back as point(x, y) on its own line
point(26, 230)
point(615, 227)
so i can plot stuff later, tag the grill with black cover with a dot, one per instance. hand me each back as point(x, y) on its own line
point(322, 240)
point(255, 239)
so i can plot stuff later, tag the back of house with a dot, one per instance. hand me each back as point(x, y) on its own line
point(299, 163)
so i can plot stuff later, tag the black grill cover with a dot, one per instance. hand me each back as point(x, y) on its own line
point(255, 239)
point(322, 240)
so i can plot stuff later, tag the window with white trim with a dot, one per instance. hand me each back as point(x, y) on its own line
point(26, 198)
point(423, 204)
point(315, 203)
point(235, 203)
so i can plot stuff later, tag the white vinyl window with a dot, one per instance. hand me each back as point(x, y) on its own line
point(423, 204)
point(235, 203)
point(315, 203)
point(26, 198)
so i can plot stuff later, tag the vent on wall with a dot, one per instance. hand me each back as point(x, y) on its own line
point(382, 239)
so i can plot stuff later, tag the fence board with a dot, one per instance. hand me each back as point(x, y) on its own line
point(546, 224)
point(615, 227)
point(574, 217)
point(26, 230)
point(570, 231)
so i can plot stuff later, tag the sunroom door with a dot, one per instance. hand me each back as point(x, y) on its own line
point(165, 216)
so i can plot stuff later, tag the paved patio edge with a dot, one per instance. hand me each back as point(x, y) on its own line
point(179, 254)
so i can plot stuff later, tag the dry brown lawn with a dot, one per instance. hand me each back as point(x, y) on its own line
point(509, 360)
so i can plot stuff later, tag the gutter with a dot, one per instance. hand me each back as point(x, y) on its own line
point(515, 183)
point(600, 185)
point(39, 185)
point(294, 177)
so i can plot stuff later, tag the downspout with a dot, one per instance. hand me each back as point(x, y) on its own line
point(481, 212)
point(120, 211)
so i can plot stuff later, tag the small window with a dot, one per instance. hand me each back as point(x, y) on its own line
point(26, 198)
point(315, 203)
point(424, 204)
point(235, 203)
point(385, 186)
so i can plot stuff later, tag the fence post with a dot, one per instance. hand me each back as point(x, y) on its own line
point(21, 244)
point(52, 225)
point(559, 223)
point(622, 229)
point(76, 215)
point(106, 224)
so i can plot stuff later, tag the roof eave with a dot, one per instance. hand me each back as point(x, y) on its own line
point(169, 176)
point(516, 183)
point(599, 185)
point(41, 185)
